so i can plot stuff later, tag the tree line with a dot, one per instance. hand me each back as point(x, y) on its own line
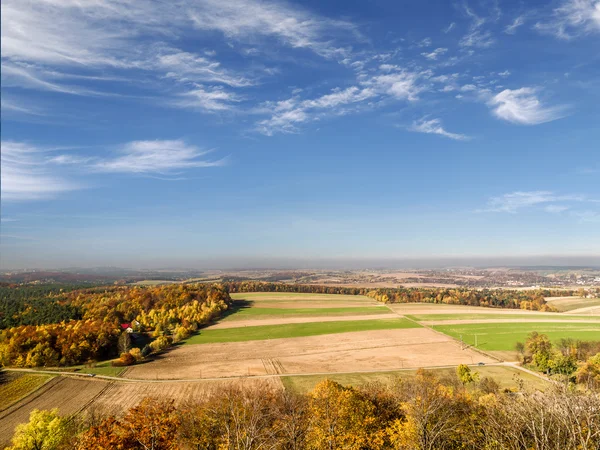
point(35, 304)
point(164, 313)
point(424, 412)
point(493, 298)
point(569, 359)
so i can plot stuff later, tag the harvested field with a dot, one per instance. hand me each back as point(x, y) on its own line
point(262, 332)
point(507, 320)
point(288, 300)
point(571, 304)
point(437, 308)
point(282, 320)
point(357, 351)
point(500, 316)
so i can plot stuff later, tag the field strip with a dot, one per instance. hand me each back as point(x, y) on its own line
point(28, 398)
point(501, 320)
point(296, 330)
point(283, 320)
point(267, 376)
point(495, 358)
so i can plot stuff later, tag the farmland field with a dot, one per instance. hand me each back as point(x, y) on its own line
point(524, 317)
point(258, 312)
point(504, 336)
point(295, 340)
point(256, 333)
point(14, 386)
point(579, 304)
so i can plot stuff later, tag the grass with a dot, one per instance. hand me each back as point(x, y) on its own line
point(499, 316)
point(252, 312)
point(504, 376)
point(15, 386)
point(504, 336)
point(263, 332)
point(103, 368)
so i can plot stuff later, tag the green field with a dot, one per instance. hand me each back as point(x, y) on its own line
point(504, 336)
point(263, 332)
point(14, 386)
point(499, 316)
point(504, 376)
point(257, 312)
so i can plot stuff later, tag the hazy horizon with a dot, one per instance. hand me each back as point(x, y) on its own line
point(339, 264)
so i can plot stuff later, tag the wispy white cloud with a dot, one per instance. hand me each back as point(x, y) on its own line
point(522, 106)
point(26, 176)
point(209, 99)
point(573, 18)
point(185, 66)
point(160, 156)
point(449, 28)
point(519, 200)
point(295, 27)
point(512, 28)
point(401, 84)
point(47, 42)
point(434, 55)
point(288, 114)
point(434, 126)
point(477, 36)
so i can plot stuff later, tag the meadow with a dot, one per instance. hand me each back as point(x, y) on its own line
point(295, 330)
point(504, 336)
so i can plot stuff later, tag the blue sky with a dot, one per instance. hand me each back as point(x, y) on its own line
point(205, 132)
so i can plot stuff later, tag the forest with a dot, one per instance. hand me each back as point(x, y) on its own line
point(166, 313)
point(424, 412)
point(493, 298)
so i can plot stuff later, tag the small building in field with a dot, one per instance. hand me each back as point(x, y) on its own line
point(126, 327)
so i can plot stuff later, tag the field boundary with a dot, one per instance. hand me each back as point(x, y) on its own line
point(23, 397)
point(24, 401)
point(495, 358)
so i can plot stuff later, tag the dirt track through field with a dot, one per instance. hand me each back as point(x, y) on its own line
point(344, 352)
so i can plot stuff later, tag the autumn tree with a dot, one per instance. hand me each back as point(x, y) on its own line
point(150, 425)
point(465, 374)
point(46, 430)
point(341, 418)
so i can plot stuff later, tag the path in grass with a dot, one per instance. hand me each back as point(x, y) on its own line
point(264, 332)
point(504, 336)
